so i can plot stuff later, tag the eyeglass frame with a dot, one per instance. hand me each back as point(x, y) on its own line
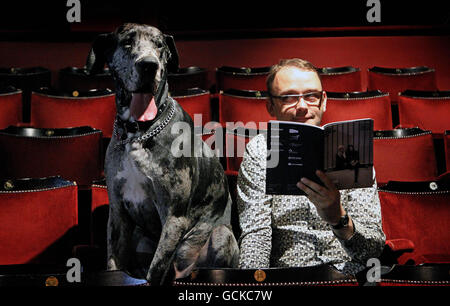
point(300, 97)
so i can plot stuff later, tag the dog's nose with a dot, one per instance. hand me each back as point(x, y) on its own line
point(147, 64)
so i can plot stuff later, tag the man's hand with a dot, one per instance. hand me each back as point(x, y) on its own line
point(327, 200)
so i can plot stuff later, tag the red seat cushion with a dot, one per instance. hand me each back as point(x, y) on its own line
point(409, 158)
point(34, 222)
point(77, 158)
point(61, 112)
point(377, 107)
point(10, 109)
point(425, 113)
point(420, 216)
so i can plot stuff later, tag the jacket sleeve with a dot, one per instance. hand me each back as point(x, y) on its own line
point(368, 240)
point(254, 207)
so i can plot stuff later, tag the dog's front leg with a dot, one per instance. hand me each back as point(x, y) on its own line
point(172, 233)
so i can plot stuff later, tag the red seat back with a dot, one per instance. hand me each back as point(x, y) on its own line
point(95, 109)
point(195, 101)
point(426, 110)
point(244, 106)
point(420, 212)
point(447, 149)
point(235, 143)
point(349, 106)
point(188, 77)
point(340, 79)
point(404, 155)
point(37, 220)
point(99, 215)
point(396, 80)
point(10, 107)
point(243, 78)
point(74, 154)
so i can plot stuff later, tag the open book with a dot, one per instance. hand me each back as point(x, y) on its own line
point(343, 150)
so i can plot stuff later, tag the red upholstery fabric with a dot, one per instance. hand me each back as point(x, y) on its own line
point(76, 158)
point(10, 109)
point(377, 108)
point(31, 222)
point(404, 159)
point(99, 215)
point(344, 82)
point(395, 84)
point(196, 104)
point(235, 148)
point(61, 112)
point(243, 109)
point(422, 217)
point(244, 82)
point(426, 113)
point(447, 149)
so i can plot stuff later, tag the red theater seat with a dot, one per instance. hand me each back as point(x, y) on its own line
point(421, 275)
point(340, 79)
point(359, 105)
point(235, 141)
point(10, 106)
point(38, 219)
point(396, 80)
point(54, 109)
point(447, 149)
point(74, 78)
point(420, 212)
point(99, 215)
point(428, 110)
point(195, 101)
point(244, 78)
point(404, 155)
point(320, 275)
point(188, 77)
point(73, 153)
point(26, 79)
point(246, 106)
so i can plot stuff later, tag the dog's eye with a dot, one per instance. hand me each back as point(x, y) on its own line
point(127, 43)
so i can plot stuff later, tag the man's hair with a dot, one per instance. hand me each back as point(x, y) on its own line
point(294, 62)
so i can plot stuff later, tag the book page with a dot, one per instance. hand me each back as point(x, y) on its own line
point(300, 154)
point(348, 157)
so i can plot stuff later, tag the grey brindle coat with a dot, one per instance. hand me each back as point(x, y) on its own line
point(167, 214)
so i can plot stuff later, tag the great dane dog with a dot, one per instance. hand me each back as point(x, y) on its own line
point(167, 214)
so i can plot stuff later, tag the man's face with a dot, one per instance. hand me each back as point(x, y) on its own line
point(291, 81)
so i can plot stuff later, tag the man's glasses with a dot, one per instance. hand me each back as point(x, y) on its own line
point(313, 98)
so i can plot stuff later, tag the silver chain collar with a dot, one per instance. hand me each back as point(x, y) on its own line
point(150, 133)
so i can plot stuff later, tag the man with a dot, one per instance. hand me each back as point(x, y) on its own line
point(342, 228)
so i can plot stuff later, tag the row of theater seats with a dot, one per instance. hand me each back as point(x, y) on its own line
point(334, 79)
point(76, 153)
point(51, 108)
point(39, 227)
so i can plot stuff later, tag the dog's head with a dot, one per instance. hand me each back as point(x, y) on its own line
point(138, 57)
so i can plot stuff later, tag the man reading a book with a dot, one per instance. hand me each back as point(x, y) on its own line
point(327, 226)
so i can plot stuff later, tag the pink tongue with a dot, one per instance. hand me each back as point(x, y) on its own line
point(143, 107)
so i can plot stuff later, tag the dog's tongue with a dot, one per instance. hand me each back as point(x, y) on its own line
point(143, 106)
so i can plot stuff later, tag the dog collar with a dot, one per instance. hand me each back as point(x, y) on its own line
point(159, 124)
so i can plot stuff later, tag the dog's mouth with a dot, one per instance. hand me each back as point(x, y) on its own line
point(143, 106)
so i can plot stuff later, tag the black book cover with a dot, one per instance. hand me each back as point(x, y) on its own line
point(343, 150)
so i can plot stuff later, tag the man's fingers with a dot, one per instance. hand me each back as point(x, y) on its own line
point(325, 180)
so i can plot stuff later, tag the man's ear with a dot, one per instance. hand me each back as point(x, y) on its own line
point(101, 49)
point(270, 107)
point(324, 102)
point(173, 61)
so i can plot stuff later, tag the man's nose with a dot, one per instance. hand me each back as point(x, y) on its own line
point(147, 64)
point(302, 106)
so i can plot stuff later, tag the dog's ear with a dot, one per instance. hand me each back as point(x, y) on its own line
point(101, 49)
point(173, 61)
